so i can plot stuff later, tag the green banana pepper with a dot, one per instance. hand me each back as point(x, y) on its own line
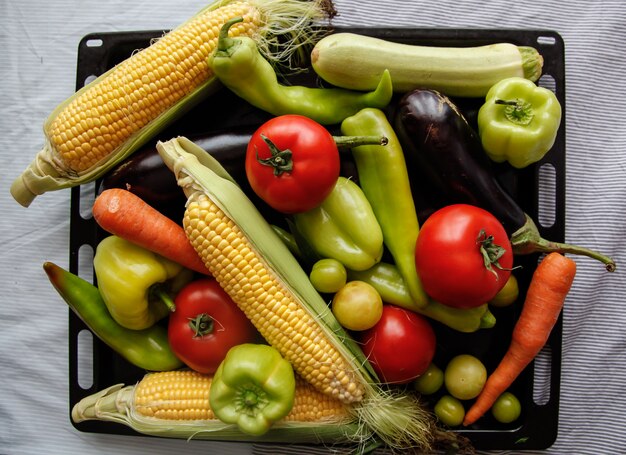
point(384, 178)
point(148, 349)
point(343, 227)
point(137, 285)
point(253, 387)
point(518, 122)
point(239, 65)
point(386, 279)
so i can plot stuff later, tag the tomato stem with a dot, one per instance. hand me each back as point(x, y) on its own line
point(201, 325)
point(281, 160)
point(490, 251)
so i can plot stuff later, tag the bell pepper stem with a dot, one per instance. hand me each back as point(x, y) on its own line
point(250, 399)
point(354, 141)
point(162, 295)
point(527, 240)
point(517, 111)
point(225, 44)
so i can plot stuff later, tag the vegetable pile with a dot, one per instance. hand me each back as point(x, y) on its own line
point(307, 278)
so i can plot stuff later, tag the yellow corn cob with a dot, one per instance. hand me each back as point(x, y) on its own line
point(271, 307)
point(174, 395)
point(102, 118)
point(112, 116)
point(176, 404)
point(184, 395)
point(256, 269)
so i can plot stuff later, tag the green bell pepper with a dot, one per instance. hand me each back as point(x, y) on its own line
point(343, 227)
point(136, 284)
point(518, 122)
point(386, 279)
point(148, 349)
point(253, 387)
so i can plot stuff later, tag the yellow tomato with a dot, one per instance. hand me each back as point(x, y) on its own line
point(357, 306)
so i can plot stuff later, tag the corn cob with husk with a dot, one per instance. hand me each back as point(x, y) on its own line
point(175, 404)
point(112, 116)
point(256, 269)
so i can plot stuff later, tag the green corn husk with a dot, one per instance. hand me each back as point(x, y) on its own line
point(397, 417)
point(117, 404)
point(288, 26)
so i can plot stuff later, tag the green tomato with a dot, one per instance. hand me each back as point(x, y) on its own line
point(430, 381)
point(357, 306)
point(465, 377)
point(450, 411)
point(507, 408)
point(328, 275)
point(507, 295)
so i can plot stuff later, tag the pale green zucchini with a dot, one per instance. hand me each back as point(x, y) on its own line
point(357, 62)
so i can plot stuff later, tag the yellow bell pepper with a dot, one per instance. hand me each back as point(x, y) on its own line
point(136, 285)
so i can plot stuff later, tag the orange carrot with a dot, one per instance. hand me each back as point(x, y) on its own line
point(126, 215)
point(546, 294)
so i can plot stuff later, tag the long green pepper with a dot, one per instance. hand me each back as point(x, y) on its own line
point(386, 279)
point(384, 179)
point(148, 348)
point(239, 65)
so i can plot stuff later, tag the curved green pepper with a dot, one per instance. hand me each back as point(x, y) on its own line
point(343, 227)
point(253, 387)
point(239, 65)
point(518, 122)
point(136, 283)
point(384, 178)
point(148, 348)
point(386, 279)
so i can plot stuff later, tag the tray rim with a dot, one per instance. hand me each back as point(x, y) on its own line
point(83, 233)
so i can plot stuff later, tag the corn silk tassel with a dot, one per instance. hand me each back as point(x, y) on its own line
point(175, 404)
point(239, 247)
point(111, 117)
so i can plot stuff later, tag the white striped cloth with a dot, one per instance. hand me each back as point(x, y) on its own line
point(37, 70)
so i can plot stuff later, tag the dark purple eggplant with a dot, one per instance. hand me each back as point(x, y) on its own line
point(445, 159)
point(145, 174)
point(447, 154)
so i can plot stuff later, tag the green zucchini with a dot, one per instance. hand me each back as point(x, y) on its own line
point(357, 62)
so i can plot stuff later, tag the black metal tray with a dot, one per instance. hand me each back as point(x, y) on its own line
point(539, 189)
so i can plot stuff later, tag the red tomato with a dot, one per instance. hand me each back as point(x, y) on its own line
point(205, 325)
point(449, 256)
point(296, 166)
point(400, 346)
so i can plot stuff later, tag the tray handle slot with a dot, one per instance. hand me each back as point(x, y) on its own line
point(546, 213)
point(84, 359)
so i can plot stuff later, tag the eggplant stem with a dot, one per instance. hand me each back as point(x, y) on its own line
point(527, 240)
